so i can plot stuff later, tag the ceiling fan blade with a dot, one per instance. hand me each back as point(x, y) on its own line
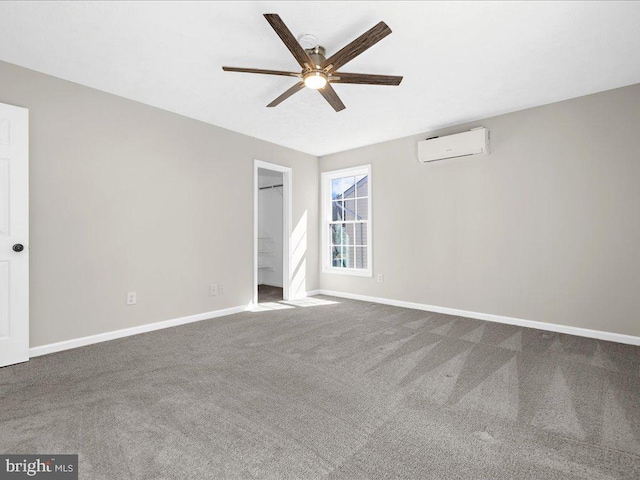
point(288, 39)
point(296, 88)
point(359, 45)
point(332, 97)
point(258, 70)
point(365, 78)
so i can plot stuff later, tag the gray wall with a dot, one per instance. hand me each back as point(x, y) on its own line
point(546, 228)
point(129, 197)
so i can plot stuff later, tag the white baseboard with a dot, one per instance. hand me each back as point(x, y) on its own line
point(553, 327)
point(150, 327)
point(126, 332)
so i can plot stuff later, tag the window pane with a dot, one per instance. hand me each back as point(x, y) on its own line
point(349, 257)
point(342, 234)
point(361, 257)
point(361, 234)
point(337, 211)
point(337, 259)
point(363, 208)
point(335, 233)
point(336, 188)
point(348, 237)
point(362, 184)
point(348, 187)
point(350, 210)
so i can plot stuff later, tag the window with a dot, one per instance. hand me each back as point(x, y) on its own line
point(346, 205)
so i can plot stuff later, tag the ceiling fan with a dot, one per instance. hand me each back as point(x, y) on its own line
point(318, 72)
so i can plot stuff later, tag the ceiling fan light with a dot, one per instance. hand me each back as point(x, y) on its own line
point(315, 80)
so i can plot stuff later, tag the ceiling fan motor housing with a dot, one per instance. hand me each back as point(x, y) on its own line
point(316, 78)
point(317, 55)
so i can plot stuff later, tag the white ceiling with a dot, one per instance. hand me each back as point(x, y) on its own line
point(461, 61)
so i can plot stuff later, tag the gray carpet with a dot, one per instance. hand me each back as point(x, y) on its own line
point(345, 390)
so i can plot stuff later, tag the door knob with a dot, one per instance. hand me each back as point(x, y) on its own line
point(18, 247)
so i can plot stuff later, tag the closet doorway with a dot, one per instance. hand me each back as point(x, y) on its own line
point(272, 231)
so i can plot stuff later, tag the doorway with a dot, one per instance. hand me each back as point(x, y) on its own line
point(272, 231)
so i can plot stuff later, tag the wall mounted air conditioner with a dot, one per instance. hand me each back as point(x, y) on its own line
point(473, 142)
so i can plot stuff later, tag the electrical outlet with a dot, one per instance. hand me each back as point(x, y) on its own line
point(213, 289)
point(221, 289)
point(380, 278)
point(131, 298)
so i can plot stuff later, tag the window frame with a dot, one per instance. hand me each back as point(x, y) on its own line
point(326, 199)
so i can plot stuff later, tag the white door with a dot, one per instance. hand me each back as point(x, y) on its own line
point(14, 234)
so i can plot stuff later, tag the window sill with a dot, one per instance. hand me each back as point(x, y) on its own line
point(349, 271)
